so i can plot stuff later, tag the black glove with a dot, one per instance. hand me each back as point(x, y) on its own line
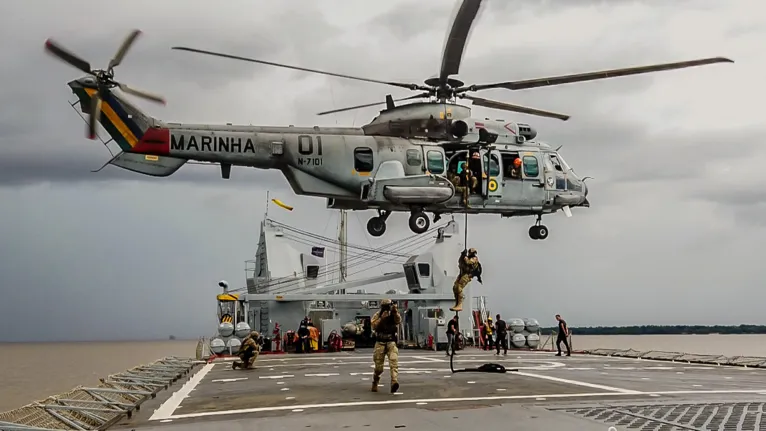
point(479, 280)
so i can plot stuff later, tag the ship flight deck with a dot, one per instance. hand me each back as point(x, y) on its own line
point(327, 391)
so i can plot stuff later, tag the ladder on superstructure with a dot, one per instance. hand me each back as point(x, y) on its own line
point(480, 314)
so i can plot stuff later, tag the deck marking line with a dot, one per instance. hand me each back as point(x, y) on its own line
point(576, 382)
point(278, 376)
point(399, 401)
point(166, 409)
point(228, 380)
point(322, 375)
point(427, 358)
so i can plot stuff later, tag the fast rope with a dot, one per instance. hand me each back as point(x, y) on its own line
point(485, 368)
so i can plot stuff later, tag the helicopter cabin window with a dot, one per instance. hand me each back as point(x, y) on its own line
point(511, 171)
point(435, 162)
point(363, 159)
point(531, 168)
point(413, 157)
point(556, 163)
point(494, 165)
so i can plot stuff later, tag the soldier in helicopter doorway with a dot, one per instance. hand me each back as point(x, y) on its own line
point(469, 268)
point(385, 322)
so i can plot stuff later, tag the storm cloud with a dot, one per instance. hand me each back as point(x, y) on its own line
point(671, 237)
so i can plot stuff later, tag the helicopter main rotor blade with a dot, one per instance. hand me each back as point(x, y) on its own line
point(66, 56)
point(367, 105)
point(514, 108)
point(591, 76)
point(303, 69)
point(141, 93)
point(457, 38)
point(126, 44)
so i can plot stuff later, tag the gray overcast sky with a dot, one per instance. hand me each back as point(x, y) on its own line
point(677, 215)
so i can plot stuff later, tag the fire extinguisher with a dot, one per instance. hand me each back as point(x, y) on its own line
point(430, 342)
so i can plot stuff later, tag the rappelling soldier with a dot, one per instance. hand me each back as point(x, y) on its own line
point(249, 351)
point(469, 267)
point(385, 322)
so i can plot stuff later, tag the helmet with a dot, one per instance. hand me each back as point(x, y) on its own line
point(385, 302)
point(517, 162)
point(471, 251)
point(489, 318)
point(254, 334)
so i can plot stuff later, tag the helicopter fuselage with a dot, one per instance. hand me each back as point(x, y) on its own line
point(354, 171)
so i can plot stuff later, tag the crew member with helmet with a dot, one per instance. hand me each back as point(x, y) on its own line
point(385, 322)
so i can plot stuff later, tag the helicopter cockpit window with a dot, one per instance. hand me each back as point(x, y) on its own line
point(494, 165)
point(557, 162)
point(363, 161)
point(567, 169)
point(413, 157)
point(435, 162)
point(531, 168)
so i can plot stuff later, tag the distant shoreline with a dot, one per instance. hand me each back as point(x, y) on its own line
point(665, 330)
point(154, 340)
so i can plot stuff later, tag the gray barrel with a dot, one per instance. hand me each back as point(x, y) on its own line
point(242, 330)
point(217, 346)
point(533, 340)
point(518, 340)
point(516, 325)
point(225, 329)
point(531, 325)
point(234, 344)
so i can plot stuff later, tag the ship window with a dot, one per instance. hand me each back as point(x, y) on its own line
point(312, 271)
point(424, 269)
point(363, 159)
point(435, 162)
point(531, 169)
point(413, 158)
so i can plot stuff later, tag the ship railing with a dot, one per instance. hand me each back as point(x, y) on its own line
point(690, 358)
point(99, 407)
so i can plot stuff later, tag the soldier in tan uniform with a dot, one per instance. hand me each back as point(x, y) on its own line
point(248, 353)
point(469, 267)
point(385, 322)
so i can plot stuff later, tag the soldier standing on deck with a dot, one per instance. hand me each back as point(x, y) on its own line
point(469, 266)
point(385, 322)
point(248, 353)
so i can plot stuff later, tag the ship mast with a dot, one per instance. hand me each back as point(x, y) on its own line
point(343, 240)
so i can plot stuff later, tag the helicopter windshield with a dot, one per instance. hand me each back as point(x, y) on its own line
point(567, 170)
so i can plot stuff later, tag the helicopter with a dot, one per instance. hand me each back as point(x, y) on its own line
point(402, 161)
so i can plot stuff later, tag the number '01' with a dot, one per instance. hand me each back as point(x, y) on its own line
point(306, 145)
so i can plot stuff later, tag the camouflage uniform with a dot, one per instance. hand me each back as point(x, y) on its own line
point(248, 353)
point(386, 323)
point(462, 190)
point(468, 183)
point(468, 264)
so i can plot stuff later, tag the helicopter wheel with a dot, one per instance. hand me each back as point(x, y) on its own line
point(376, 226)
point(538, 232)
point(419, 222)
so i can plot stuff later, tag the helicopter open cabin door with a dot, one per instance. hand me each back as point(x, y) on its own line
point(492, 184)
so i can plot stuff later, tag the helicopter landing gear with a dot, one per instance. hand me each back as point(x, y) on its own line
point(419, 222)
point(538, 231)
point(376, 226)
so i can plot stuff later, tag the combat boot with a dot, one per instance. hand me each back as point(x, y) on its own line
point(375, 385)
point(394, 387)
point(458, 306)
point(234, 365)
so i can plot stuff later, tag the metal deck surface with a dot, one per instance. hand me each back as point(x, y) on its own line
point(332, 391)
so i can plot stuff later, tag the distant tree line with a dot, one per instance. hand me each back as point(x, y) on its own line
point(664, 330)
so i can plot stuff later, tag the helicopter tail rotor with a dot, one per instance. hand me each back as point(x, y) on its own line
point(103, 78)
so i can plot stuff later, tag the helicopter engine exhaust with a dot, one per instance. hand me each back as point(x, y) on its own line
point(458, 128)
